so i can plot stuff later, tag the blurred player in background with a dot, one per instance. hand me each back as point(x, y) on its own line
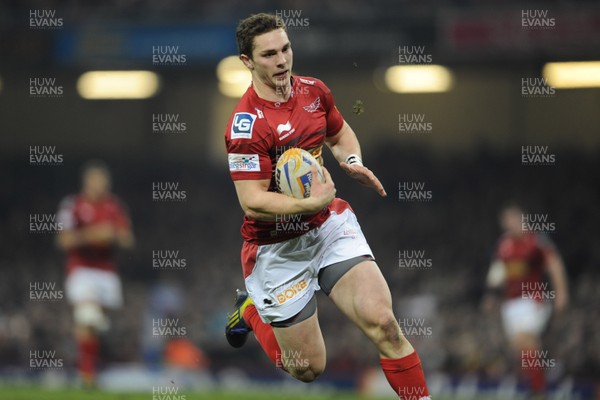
point(284, 269)
point(95, 224)
point(521, 260)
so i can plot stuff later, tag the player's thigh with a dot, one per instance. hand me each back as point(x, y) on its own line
point(524, 341)
point(363, 295)
point(302, 344)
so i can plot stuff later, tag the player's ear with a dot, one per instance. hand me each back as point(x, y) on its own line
point(247, 61)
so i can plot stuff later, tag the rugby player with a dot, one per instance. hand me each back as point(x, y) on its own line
point(95, 223)
point(517, 272)
point(283, 268)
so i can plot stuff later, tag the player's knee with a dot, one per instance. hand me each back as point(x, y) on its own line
point(307, 375)
point(307, 372)
point(524, 341)
point(385, 329)
point(90, 315)
point(390, 328)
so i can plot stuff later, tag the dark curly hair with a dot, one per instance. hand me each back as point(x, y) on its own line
point(253, 26)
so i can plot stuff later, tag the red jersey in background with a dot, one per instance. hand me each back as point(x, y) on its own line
point(524, 258)
point(76, 212)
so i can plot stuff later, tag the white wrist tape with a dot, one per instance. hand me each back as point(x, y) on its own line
point(354, 159)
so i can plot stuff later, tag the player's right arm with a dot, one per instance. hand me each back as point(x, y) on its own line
point(101, 234)
point(248, 141)
point(494, 282)
point(496, 275)
point(260, 204)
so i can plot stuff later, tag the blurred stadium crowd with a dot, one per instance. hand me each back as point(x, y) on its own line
point(457, 230)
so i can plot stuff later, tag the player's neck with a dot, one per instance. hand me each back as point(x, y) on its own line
point(279, 94)
point(93, 196)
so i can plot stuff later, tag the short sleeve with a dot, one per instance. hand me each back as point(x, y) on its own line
point(66, 213)
point(121, 216)
point(546, 245)
point(334, 118)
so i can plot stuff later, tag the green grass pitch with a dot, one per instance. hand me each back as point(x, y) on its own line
point(77, 394)
point(33, 393)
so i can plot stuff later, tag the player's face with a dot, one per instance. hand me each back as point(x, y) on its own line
point(96, 183)
point(510, 220)
point(272, 59)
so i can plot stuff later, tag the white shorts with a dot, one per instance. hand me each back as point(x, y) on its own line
point(285, 275)
point(86, 284)
point(525, 316)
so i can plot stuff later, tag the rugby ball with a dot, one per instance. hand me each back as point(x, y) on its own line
point(293, 174)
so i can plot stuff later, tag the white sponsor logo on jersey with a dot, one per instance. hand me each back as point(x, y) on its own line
point(287, 127)
point(283, 127)
point(241, 127)
point(307, 81)
point(244, 162)
point(259, 113)
point(314, 106)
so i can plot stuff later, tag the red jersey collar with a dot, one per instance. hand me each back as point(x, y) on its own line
point(277, 105)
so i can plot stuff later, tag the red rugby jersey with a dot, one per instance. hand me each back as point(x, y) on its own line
point(259, 131)
point(524, 259)
point(76, 212)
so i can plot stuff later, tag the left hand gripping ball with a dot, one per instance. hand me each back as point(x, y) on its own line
point(293, 174)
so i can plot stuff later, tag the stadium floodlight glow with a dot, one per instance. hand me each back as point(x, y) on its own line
point(572, 75)
point(118, 84)
point(418, 78)
point(234, 77)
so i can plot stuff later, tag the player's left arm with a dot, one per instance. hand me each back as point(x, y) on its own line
point(123, 233)
point(558, 279)
point(346, 149)
point(556, 271)
point(124, 237)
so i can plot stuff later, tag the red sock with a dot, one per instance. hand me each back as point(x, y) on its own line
point(264, 334)
point(89, 348)
point(534, 373)
point(405, 376)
